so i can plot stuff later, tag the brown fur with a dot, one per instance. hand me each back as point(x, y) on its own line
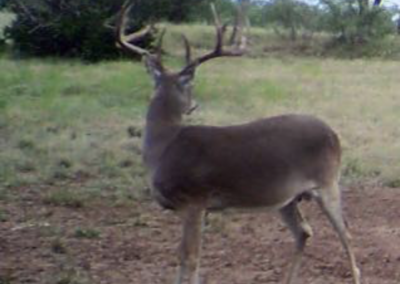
point(266, 156)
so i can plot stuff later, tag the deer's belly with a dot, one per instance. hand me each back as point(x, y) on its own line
point(256, 198)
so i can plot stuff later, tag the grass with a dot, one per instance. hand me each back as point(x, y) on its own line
point(86, 233)
point(6, 279)
point(4, 194)
point(70, 276)
point(67, 198)
point(3, 216)
point(64, 122)
point(62, 110)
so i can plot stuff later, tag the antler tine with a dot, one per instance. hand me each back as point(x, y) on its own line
point(218, 49)
point(159, 43)
point(188, 50)
point(125, 40)
point(217, 20)
point(220, 37)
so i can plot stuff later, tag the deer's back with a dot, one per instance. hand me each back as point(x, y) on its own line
point(254, 164)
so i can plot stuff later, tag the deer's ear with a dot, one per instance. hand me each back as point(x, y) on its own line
point(186, 76)
point(155, 69)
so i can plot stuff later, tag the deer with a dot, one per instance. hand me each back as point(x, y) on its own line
point(271, 163)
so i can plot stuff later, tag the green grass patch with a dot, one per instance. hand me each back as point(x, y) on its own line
point(86, 233)
point(4, 193)
point(62, 110)
point(7, 279)
point(70, 276)
point(67, 198)
point(3, 216)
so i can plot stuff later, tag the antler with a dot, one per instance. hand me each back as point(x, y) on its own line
point(218, 51)
point(125, 41)
point(152, 61)
point(188, 50)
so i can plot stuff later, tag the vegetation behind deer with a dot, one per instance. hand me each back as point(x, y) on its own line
point(62, 121)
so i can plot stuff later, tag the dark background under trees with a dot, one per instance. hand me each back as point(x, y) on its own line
point(84, 28)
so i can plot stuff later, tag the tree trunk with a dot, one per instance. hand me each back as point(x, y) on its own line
point(242, 22)
point(244, 8)
point(363, 6)
point(398, 26)
point(293, 33)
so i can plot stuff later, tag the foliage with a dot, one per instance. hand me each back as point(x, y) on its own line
point(225, 8)
point(354, 27)
point(76, 28)
point(256, 14)
point(3, 3)
point(181, 11)
point(293, 16)
point(63, 28)
point(355, 23)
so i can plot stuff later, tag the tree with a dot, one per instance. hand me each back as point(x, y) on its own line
point(292, 15)
point(83, 28)
point(356, 22)
point(398, 26)
point(182, 11)
point(225, 8)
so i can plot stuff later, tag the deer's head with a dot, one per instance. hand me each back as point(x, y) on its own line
point(174, 86)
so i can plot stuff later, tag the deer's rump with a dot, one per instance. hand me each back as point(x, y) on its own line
point(251, 165)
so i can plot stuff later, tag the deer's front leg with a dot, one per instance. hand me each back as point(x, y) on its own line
point(189, 249)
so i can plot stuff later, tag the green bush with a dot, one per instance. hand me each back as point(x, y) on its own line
point(82, 28)
point(71, 28)
point(293, 16)
point(226, 10)
point(356, 23)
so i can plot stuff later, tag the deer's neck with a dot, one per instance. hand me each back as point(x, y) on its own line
point(163, 123)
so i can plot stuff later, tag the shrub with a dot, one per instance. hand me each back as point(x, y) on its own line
point(82, 28)
point(63, 28)
point(293, 16)
point(226, 9)
point(356, 23)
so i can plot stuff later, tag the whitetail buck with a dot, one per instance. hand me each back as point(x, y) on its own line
point(272, 162)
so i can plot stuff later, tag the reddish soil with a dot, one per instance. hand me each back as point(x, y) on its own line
point(136, 244)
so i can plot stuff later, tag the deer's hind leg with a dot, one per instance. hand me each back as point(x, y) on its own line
point(301, 231)
point(190, 246)
point(329, 200)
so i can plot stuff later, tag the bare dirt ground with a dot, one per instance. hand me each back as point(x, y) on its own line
point(136, 244)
